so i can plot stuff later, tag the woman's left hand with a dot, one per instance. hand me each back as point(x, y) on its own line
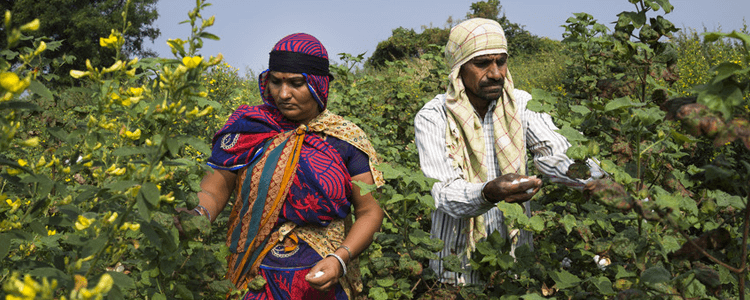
point(331, 271)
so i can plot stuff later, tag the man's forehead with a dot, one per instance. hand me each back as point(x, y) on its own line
point(491, 56)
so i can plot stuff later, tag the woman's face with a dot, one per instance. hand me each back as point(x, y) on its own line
point(292, 96)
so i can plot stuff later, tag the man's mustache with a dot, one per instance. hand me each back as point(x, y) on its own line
point(491, 83)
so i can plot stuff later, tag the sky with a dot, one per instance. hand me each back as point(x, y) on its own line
point(248, 29)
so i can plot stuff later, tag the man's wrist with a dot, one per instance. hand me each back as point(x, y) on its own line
point(484, 196)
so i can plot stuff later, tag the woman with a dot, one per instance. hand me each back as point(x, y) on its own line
point(292, 163)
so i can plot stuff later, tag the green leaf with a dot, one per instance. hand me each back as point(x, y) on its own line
point(665, 5)
point(209, 36)
point(670, 244)
point(18, 105)
point(184, 292)
point(4, 245)
point(656, 275)
point(537, 223)
point(365, 188)
point(569, 221)
point(122, 280)
point(150, 193)
point(649, 116)
point(572, 135)
point(38, 88)
point(620, 103)
point(58, 133)
point(160, 296)
point(142, 207)
point(565, 279)
point(385, 282)
point(604, 285)
point(580, 109)
point(713, 36)
point(637, 18)
point(724, 199)
point(38, 228)
point(177, 46)
point(683, 138)
point(513, 212)
point(623, 273)
point(577, 152)
point(127, 151)
point(120, 186)
point(378, 293)
point(533, 297)
point(199, 144)
point(724, 70)
point(93, 246)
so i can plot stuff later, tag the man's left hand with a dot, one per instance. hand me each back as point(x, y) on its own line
point(512, 188)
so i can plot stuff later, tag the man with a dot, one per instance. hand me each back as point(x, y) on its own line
point(474, 140)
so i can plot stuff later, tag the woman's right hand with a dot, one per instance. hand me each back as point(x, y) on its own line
point(176, 217)
point(330, 269)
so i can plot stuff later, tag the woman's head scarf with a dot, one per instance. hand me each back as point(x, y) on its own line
point(300, 53)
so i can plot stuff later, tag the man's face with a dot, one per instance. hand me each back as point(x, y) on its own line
point(483, 76)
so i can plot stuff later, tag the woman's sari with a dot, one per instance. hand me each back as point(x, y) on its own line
point(292, 197)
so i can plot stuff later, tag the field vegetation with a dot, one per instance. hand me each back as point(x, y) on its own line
point(93, 166)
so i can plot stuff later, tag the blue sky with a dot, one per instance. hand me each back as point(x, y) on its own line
point(249, 29)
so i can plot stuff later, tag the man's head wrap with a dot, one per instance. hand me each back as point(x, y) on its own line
point(304, 54)
point(464, 135)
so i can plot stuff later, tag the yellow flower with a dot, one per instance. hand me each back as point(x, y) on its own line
point(192, 62)
point(42, 161)
point(113, 41)
point(104, 285)
point(31, 26)
point(22, 162)
point(83, 222)
point(41, 48)
point(11, 82)
point(112, 218)
point(133, 135)
point(78, 74)
point(51, 232)
point(32, 142)
point(114, 67)
point(114, 170)
point(13, 204)
point(13, 172)
point(135, 91)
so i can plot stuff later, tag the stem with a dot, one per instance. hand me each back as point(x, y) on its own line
point(704, 252)
point(743, 264)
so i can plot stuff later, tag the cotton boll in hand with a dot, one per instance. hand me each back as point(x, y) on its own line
point(318, 274)
point(517, 181)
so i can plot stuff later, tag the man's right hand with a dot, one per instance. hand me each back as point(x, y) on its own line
point(512, 188)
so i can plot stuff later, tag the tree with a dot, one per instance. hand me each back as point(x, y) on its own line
point(406, 43)
point(80, 24)
point(520, 40)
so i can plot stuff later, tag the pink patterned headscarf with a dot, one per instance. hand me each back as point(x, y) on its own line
point(300, 53)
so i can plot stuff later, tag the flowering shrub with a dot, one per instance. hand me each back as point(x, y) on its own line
point(91, 175)
point(91, 216)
